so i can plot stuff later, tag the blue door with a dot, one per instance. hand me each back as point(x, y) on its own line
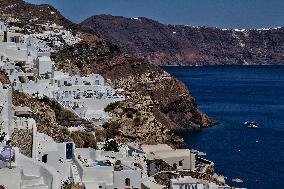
point(69, 150)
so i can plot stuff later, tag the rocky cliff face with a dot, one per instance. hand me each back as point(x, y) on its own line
point(26, 11)
point(185, 45)
point(157, 101)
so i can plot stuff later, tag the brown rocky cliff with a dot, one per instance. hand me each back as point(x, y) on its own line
point(159, 101)
point(185, 45)
point(43, 114)
point(171, 99)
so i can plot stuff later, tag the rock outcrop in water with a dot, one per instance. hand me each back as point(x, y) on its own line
point(186, 45)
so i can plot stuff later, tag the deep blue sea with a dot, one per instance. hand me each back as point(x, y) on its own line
point(233, 95)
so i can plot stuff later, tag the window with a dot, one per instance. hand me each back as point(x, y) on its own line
point(100, 187)
point(44, 158)
point(180, 163)
point(127, 182)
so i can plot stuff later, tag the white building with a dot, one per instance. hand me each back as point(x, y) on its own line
point(184, 159)
point(189, 182)
point(56, 155)
point(37, 47)
point(3, 31)
point(13, 52)
point(58, 37)
point(29, 174)
point(26, 172)
point(87, 96)
point(44, 67)
point(98, 170)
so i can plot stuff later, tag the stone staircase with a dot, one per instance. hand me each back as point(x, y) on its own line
point(32, 182)
point(150, 183)
point(75, 174)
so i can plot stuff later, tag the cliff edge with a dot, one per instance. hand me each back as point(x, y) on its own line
point(163, 44)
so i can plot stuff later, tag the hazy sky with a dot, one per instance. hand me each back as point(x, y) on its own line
point(219, 13)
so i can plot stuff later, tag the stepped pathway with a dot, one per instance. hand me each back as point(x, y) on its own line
point(32, 181)
point(75, 173)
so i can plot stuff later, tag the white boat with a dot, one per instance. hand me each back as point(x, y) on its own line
point(251, 124)
point(237, 180)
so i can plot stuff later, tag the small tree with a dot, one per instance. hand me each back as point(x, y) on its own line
point(129, 114)
point(118, 162)
point(175, 166)
point(110, 107)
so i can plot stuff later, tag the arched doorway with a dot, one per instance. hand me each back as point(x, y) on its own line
point(127, 182)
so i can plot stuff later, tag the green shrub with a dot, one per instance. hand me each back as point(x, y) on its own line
point(84, 139)
point(110, 107)
point(106, 125)
point(65, 131)
point(137, 121)
point(67, 114)
point(175, 166)
point(134, 111)
point(111, 145)
point(118, 162)
point(129, 114)
point(112, 129)
point(59, 111)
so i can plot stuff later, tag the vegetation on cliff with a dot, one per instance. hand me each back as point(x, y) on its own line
point(47, 114)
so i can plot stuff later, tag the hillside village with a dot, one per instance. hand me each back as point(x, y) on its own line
point(40, 154)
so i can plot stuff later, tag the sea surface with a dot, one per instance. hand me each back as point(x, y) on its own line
point(233, 95)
